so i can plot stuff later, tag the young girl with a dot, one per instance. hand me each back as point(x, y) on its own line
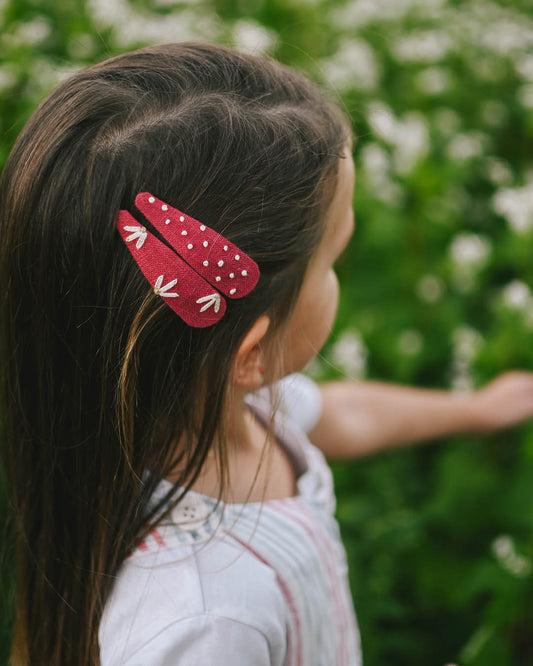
point(170, 220)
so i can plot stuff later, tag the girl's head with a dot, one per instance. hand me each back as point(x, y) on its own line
point(100, 378)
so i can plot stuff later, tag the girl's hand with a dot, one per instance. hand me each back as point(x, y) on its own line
point(505, 401)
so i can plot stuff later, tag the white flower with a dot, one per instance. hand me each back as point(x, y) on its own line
point(503, 546)
point(376, 165)
point(375, 160)
point(464, 146)
point(519, 566)
point(507, 37)
point(504, 549)
point(409, 135)
point(252, 37)
point(468, 253)
point(424, 46)
point(498, 170)
point(108, 12)
point(516, 205)
point(135, 26)
point(358, 13)
point(466, 342)
point(138, 232)
point(354, 65)
point(350, 353)
point(163, 290)
point(516, 295)
point(382, 121)
point(35, 31)
point(149, 28)
point(470, 250)
point(412, 142)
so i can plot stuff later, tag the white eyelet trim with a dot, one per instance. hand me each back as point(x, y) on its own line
point(191, 513)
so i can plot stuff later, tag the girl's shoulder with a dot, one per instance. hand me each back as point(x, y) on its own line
point(213, 567)
point(300, 399)
point(179, 596)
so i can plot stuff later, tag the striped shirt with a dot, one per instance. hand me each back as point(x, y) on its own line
point(255, 584)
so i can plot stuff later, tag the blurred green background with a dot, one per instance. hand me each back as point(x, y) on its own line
point(435, 283)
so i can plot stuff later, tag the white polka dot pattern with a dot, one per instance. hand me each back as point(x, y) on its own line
point(202, 247)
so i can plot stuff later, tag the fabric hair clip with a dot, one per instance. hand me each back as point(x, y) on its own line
point(201, 259)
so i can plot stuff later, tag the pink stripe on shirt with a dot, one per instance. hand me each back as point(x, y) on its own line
point(296, 645)
point(312, 528)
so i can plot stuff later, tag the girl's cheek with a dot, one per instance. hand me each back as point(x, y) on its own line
point(331, 293)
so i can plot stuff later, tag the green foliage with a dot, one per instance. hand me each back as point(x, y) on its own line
point(435, 282)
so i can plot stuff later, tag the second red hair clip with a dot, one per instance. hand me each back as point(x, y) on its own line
point(202, 259)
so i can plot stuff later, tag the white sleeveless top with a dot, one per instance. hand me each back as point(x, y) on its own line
point(256, 584)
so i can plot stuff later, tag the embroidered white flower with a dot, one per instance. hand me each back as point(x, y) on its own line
point(209, 301)
point(140, 233)
point(162, 291)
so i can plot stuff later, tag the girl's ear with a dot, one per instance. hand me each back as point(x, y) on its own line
point(248, 365)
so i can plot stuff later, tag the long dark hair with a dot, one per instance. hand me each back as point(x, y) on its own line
point(99, 378)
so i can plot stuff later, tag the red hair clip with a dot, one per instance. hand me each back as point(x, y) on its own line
point(202, 259)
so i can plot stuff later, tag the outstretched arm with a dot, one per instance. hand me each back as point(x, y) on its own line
point(360, 418)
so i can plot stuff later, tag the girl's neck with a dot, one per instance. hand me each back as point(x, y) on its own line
point(258, 467)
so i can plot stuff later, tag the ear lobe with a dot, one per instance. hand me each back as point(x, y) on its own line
point(247, 368)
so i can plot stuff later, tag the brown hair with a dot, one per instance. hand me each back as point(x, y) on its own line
point(99, 377)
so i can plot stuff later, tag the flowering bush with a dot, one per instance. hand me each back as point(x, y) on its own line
point(435, 284)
